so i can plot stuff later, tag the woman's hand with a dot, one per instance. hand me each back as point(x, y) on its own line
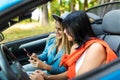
point(38, 75)
point(34, 60)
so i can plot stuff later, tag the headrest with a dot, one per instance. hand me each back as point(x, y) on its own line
point(111, 22)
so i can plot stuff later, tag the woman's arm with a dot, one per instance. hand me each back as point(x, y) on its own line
point(43, 55)
point(49, 43)
point(95, 57)
point(39, 75)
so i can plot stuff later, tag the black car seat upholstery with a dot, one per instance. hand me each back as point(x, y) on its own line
point(111, 26)
point(96, 23)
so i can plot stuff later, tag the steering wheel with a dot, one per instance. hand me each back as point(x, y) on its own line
point(13, 71)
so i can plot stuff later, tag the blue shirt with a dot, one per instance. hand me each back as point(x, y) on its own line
point(51, 57)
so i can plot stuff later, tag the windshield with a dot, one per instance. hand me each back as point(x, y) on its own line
point(103, 9)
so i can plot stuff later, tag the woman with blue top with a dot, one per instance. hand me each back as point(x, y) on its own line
point(56, 45)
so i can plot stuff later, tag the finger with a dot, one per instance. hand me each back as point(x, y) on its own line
point(34, 55)
point(34, 58)
point(31, 77)
point(34, 63)
point(32, 74)
point(41, 72)
point(31, 57)
point(31, 61)
point(38, 71)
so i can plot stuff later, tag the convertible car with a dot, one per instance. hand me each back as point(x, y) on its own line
point(105, 22)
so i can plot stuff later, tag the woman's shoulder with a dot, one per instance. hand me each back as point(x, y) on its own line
point(52, 37)
point(97, 49)
point(96, 46)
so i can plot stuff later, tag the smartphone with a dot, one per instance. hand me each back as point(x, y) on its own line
point(27, 53)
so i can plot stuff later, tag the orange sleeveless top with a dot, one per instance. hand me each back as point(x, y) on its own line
point(69, 61)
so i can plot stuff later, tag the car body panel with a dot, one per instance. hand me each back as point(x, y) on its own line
point(6, 4)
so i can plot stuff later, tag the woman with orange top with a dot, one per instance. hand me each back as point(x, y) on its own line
point(87, 53)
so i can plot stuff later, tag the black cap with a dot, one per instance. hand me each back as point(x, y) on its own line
point(60, 18)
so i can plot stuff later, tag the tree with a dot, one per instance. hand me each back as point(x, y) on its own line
point(72, 5)
point(85, 4)
point(44, 15)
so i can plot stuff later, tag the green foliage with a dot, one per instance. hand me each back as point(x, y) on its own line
point(55, 8)
point(92, 3)
point(58, 8)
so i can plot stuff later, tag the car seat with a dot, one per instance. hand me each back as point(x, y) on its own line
point(111, 26)
point(96, 23)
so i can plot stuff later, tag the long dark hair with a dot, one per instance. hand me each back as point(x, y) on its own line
point(78, 26)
